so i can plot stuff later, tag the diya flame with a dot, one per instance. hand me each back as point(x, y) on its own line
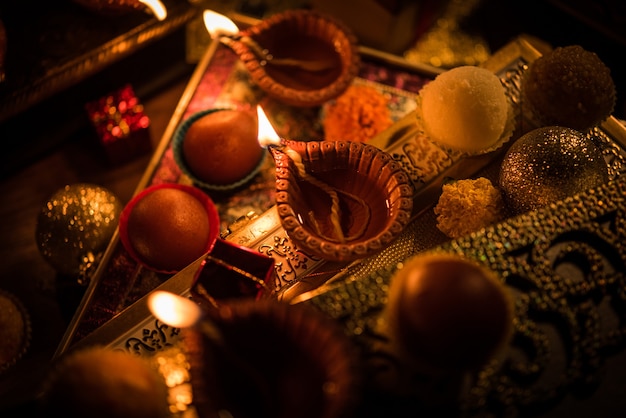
point(218, 24)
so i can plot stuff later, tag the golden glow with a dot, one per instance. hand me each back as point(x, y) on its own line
point(218, 24)
point(156, 7)
point(173, 310)
point(267, 134)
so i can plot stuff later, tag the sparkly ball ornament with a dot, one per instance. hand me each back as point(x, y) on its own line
point(75, 224)
point(549, 164)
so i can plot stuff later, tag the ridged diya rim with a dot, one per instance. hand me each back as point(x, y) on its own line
point(27, 329)
point(324, 27)
point(179, 157)
point(363, 158)
point(203, 198)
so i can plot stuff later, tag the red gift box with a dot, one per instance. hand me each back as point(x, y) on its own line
point(229, 272)
point(121, 125)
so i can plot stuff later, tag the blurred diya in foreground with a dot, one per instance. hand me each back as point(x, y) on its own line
point(284, 360)
point(338, 200)
point(300, 57)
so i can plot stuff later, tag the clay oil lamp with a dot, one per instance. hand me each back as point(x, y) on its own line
point(299, 57)
point(284, 360)
point(338, 200)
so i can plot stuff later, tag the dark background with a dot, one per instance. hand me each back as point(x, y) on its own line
point(47, 141)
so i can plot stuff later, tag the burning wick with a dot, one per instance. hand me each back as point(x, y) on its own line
point(224, 30)
point(180, 312)
point(269, 138)
point(156, 7)
point(174, 310)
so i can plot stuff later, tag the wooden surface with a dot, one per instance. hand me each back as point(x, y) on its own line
point(50, 299)
point(72, 156)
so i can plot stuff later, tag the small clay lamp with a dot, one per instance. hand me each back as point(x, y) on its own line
point(300, 57)
point(338, 200)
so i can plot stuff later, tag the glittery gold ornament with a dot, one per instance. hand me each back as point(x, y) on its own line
point(75, 224)
point(548, 164)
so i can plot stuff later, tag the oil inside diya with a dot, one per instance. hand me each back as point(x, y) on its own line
point(340, 200)
point(299, 36)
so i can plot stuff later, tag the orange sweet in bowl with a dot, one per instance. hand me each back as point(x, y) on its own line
point(167, 227)
point(218, 149)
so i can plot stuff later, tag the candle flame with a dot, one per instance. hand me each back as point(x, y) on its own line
point(267, 134)
point(156, 7)
point(173, 310)
point(218, 24)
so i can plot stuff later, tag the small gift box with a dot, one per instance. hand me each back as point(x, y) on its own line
point(230, 271)
point(121, 125)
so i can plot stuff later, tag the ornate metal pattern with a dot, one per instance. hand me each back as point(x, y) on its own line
point(564, 263)
point(148, 338)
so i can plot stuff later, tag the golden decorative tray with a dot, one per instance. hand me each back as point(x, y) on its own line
point(565, 264)
point(220, 80)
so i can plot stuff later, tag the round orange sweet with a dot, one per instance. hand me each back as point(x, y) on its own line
point(168, 229)
point(222, 147)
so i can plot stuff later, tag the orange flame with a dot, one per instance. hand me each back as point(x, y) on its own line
point(173, 310)
point(267, 134)
point(218, 24)
point(156, 7)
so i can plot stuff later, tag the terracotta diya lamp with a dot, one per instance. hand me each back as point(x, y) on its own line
point(340, 200)
point(283, 360)
point(300, 57)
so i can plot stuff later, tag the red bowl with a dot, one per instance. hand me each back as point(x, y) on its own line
point(205, 200)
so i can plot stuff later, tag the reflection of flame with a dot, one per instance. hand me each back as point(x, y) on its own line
point(173, 310)
point(218, 24)
point(156, 7)
point(267, 134)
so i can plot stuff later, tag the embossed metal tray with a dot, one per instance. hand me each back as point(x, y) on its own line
point(568, 277)
point(220, 80)
point(297, 272)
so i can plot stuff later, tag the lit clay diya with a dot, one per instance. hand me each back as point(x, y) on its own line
point(300, 57)
point(340, 200)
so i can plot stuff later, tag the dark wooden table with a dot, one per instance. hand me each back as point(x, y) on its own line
point(70, 154)
point(50, 298)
